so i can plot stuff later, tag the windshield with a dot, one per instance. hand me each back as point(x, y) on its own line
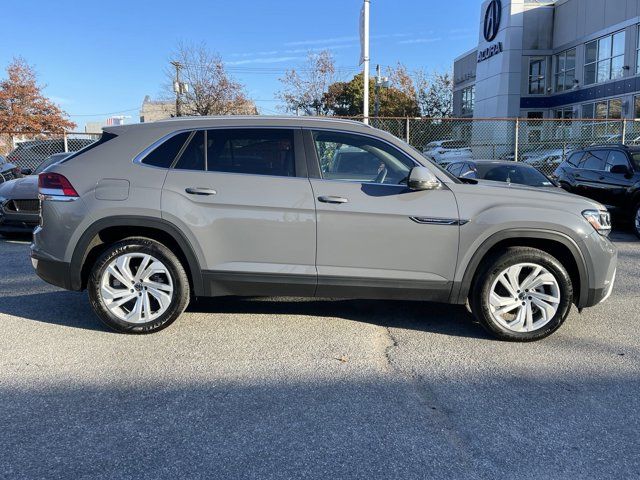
point(520, 174)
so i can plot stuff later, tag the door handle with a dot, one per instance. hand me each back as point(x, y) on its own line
point(200, 191)
point(332, 199)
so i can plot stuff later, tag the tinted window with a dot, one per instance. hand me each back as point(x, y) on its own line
point(358, 158)
point(251, 151)
point(617, 157)
point(574, 159)
point(594, 160)
point(469, 171)
point(164, 155)
point(193, 156)
point(455, 168)
point(50, 161)
point(520, 174)
point(104, 138)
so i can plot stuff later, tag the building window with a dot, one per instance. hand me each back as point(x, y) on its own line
point(604, 110)
point(638, 51)
point(636, 104)
point(563, 113)
point(604, 59)
point(468, 99)
point(565, 68)
point(537, 68)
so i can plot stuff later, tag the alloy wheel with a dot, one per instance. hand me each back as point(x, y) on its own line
point(524, 297)
point(136, 287)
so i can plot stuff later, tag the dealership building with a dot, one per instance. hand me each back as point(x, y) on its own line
point(542, 59)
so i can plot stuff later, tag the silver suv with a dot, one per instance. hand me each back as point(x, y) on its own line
point(153, 215)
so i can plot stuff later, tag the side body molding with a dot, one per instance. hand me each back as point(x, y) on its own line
point(84, 245)
point(461, 289)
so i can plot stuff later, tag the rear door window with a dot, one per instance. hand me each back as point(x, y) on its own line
point(258, 151)
point(164, 155)
point(595, 160)
point(575, 158)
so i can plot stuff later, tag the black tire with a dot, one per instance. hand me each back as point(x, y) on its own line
point(494, 266)
point(179, 298)
point(635, 220)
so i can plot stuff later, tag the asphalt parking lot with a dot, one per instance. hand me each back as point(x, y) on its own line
point(292, 388)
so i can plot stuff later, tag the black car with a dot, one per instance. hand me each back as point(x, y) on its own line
point(609, 174)
point(8, 171)
point(501, 171)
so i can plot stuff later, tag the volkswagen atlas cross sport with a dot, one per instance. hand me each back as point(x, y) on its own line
point(153, 215)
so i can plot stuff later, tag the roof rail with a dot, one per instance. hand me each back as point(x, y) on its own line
point(606, 145)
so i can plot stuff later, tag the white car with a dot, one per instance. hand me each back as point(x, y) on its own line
point(444, 152)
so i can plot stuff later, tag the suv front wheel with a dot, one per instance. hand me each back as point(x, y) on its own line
point(138, 286)
point(523, 294)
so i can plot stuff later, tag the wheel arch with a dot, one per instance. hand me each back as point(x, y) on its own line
point(108, 230)
point(561, 246)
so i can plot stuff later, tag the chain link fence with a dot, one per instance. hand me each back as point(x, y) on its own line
point(28, 151)
point(542, 143)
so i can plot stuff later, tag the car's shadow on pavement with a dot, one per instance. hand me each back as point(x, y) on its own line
point(72, 309)
point(67, 309)
point(443, 319)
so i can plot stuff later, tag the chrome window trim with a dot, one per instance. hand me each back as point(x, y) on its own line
point(138, 159)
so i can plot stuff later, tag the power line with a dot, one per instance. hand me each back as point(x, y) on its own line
point(99, 114)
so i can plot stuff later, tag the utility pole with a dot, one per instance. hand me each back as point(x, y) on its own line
point(178, 87)
point(376, 108)
point(380, 83)
point(364, 38)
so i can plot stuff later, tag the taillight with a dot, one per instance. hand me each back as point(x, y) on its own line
point(55, 185)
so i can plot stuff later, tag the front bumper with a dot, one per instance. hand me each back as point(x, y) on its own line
point(13, 222)
point(604, 261)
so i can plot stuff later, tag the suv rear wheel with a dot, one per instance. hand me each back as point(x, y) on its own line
point(523, 294)
point(138, 286)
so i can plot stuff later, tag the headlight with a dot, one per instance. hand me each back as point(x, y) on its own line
point(599, 219)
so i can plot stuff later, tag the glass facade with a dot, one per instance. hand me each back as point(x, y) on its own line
point(537, 79)
point(565, 70)
point(468, 100)
point(604, 59)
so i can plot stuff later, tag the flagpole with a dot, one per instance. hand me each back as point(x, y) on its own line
point(365, 41)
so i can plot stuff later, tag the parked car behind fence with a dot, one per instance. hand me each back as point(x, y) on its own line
point(31, 153)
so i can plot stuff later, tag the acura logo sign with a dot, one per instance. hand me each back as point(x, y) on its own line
point(492, 20)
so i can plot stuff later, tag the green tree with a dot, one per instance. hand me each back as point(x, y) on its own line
point(347, 99)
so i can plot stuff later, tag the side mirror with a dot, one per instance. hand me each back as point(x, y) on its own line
point(620, 169)
point(26, 171)
point(421, 178)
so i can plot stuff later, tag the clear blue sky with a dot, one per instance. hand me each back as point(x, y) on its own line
point(98, 58)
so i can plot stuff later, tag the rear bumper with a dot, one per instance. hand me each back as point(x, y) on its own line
point(52, 271)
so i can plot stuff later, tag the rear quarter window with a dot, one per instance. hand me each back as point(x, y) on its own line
point(165, 153)
point(574, 159)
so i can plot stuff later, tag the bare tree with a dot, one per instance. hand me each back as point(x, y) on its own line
point(434, 93)
point(303, 90)
point(211, 90)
